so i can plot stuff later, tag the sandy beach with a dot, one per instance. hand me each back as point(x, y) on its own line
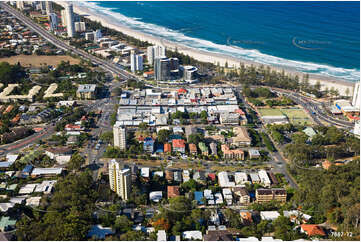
point(204, 56)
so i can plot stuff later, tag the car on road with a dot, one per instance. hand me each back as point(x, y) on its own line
point(97, 147)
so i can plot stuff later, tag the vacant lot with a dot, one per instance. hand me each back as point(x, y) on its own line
point(38, 60)
point(295, 115)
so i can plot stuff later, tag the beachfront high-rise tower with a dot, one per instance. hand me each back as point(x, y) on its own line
point(53, 21)
point(136, 62)
point(48, 7)
point(69, 16)
point(20, 5)
point(162, 68)
point(119, 180)
point(154, 52)
point(356, 99)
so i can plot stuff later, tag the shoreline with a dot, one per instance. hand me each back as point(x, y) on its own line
point(211, 57)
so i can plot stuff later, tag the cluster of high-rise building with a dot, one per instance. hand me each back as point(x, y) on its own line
point(154, 52)
point(168, 68)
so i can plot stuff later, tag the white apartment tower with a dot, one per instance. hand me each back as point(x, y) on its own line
point(154, 52)
point(20, 5)
point(70, 20)
point(136, 62)
point(79, 26)
point(120, 136)
point(119, 180)
point(356, 98)
point(63, 18)
point(48, 7)
point(53, 21)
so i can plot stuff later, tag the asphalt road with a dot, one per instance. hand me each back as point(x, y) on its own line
point(106, 65)
point(316, 112)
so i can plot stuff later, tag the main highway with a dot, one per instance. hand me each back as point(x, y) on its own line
point(106, 65)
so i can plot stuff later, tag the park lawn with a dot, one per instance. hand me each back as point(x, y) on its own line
point(295, 115)
point(270, 111)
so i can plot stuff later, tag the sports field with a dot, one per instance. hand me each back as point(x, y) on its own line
point(295, 115)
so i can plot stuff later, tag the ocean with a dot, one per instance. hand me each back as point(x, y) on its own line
point(314, 37)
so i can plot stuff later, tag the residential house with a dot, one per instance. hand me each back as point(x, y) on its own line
point(198, 196)
point(236, 154)
point(246, 217)
point(178, 145)
point(72, 127)
point(7, 224)
point(312, 230)
point(161, 235)
point(199, 176)
point(242, 138)
point(229, 118)
point(273, 178)
point(26, 171)
point(213, 147)
point(267, 195)
point(192, 149)
point(155, 196)
point(310, 132)
point(255, 178)
point(86, 91)
point(148, 145)
point(169, 175)
point(167, 148)
point(241, 178)
point(204, 149)
point(297, 216)
point(53, 152)
point(192, 235)
point(177, 176)
point(254, 154)
point(242, 194)
point(186, 175)
point(218, 235)
point(269, 215)
point(265, 181)
point(46, 172)
point(173, 191)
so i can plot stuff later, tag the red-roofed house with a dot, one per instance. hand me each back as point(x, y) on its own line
point(212, 176)
point(72, 127)
point(141, 139)
point(167, 148)
point(173, 191)
point(326, 164)
point(239, 111)
point(182, 91)
point(237, 154)
point(193, 149)
point(312, 230)
point(178, 145)
point(16, 119)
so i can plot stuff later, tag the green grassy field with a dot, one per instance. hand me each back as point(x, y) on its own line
point(296, 116)
point(270, 111)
